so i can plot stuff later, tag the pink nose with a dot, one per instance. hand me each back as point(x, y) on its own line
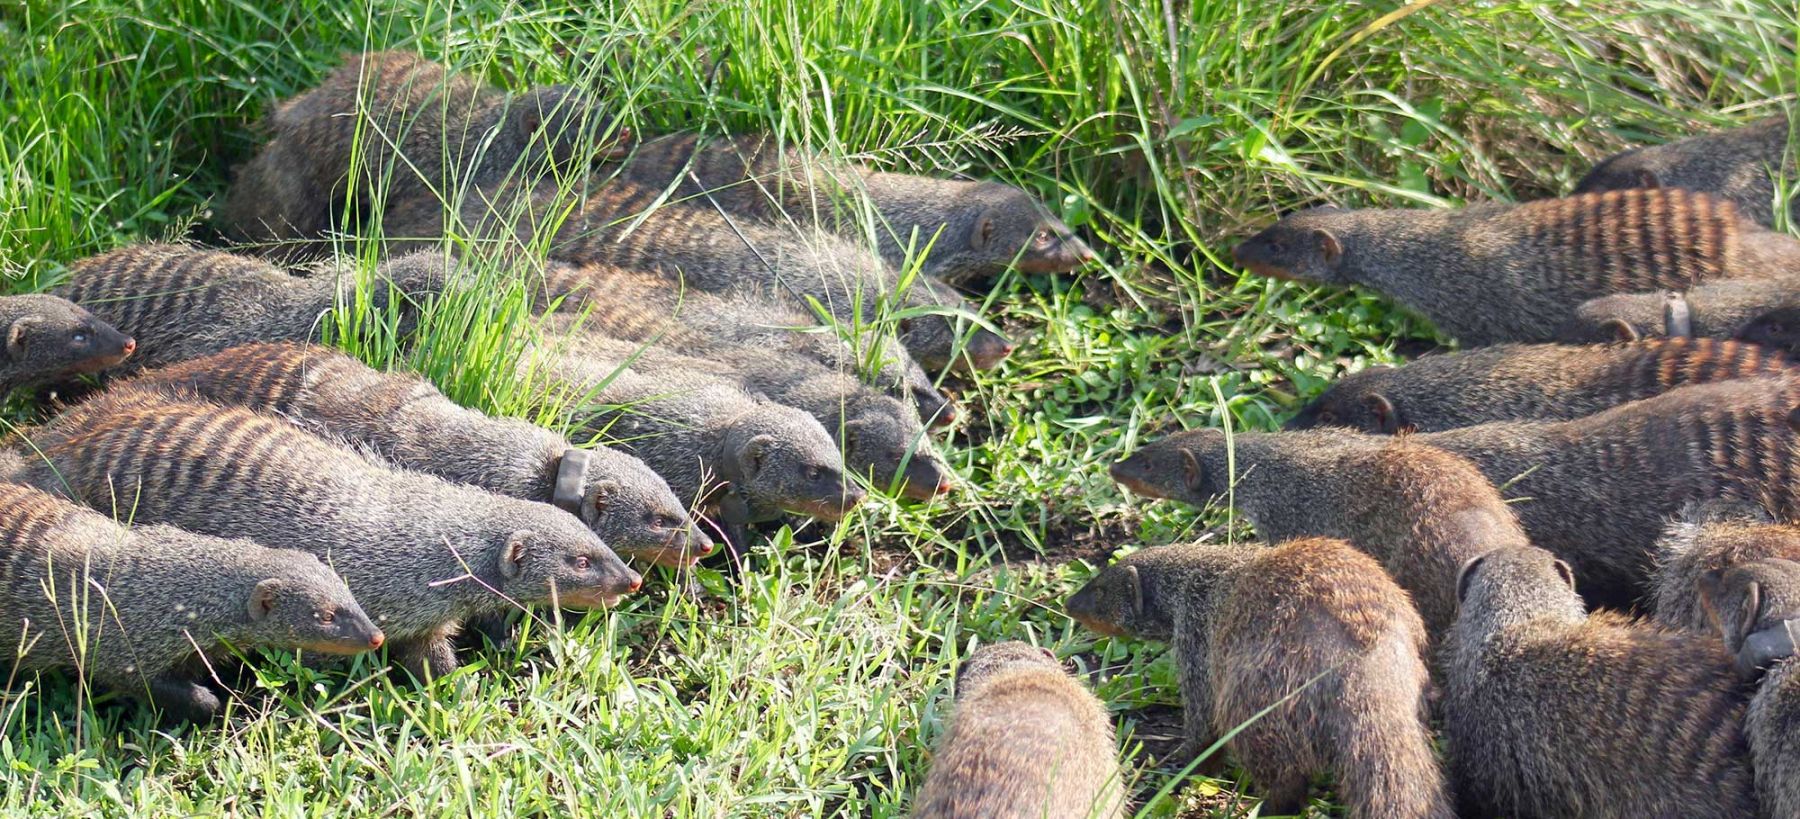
point(377, 640)
point(130, 346)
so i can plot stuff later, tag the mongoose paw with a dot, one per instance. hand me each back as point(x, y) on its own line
point(426, 659)
point(184, 700)
point(1187, 752)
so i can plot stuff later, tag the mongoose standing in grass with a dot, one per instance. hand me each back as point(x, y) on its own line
point(1527, 381)
point(1552, 712)
point(405, 421)
point(1596, 490)
point(1704, 541)
point(639, 306)
point(1756, 607)
point(1026, 741)
point(1313, 621)
point(421, 554)
point(1762, 311)
point(183, 302)
point(1419, 510)
point(973, 228)
point(48, 336)
point(1741, 164)
point(139, 610)
point(1499, 272)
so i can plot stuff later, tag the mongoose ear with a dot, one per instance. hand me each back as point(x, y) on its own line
point(512, 558)
point(1387, 420)
point(1137, 591)
point(15, 337)
point(1193, 473)
point(983, 232)
point(1466, 575)
point(601, 494)
point(1566, 573)
point(754, 450)
point(1619, 329)
point(1329, 247)
point(1794, 419)
point(1646, 178)
point(263, 598)
point(1749, 611)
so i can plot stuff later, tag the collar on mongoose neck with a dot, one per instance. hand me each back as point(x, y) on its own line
point(1765, 648)
point(571, 481)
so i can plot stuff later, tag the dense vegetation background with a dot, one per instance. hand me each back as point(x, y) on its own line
point(816, 683)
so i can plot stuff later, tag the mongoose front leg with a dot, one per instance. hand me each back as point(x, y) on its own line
point(184, 699)
point(426, 658)
point(1196, 703)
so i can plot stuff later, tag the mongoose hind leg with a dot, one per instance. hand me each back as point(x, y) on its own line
point(499, 630)
point(425, 658)
point(1284, 795)
point(184, 699)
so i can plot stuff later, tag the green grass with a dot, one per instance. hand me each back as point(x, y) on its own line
point(815, 684)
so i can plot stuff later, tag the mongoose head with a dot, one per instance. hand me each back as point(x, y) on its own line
point(1129, 598)
point(884, 441)
point(1190, 467)
point(304, 605)
point(1622, 171)
point(778, 457)
point(933, 405)
point(1358, 401)
point(633, 509)
point(1515, 584)
point(1779, 329)
point(50, 336)
point(997, 226)
point(938, 341)
point(545, 555)
point(1751, 605)
point(993, 659)
point(1305, 246)
point(564, 125)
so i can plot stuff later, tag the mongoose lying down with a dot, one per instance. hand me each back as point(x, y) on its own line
point(1499, 272)
point(1314, 619)
point(1422, 512)
point(389, 126)
point(1740, 164)
point(1026, 741)
point(48, 337)
point(639, 306)
point(1761, 310)
point(973, 228)
point(421, 554)
point(1701, 543)
point(1594, 491)
point(1756, 607)
point(1527, 381)
point(1552, 712)
point(184, 302)
point(405, 421)
point(135, 609)
point(881, 438)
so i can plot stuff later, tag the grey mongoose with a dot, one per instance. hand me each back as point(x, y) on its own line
point(1552, 712)
point(1528, 266)
point(973, 228)
point(1595, 490)
point(1742, 164)
point(48, 336)
point(1422, 512)
point(142, 609)
point(1026, 741)
point(183, 302)
point(1759, 310)
point(1528, 381)
point(1756, 607)
point(1313, 618)
point(421, 554)
point(405, 421)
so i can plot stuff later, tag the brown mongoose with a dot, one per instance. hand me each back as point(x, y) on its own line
point(421, 554)
point(729, 453)
point(48, 337)
point(881, 438)
point(1756, 607)
point(1500, 272)
point(621, 223)
point(1419, 510)
point(972, 228)
point(183, 302)
point(638, 306)
point(391, 126)
point(405, 421)
point(1310, 620)
point(1552, 712)
point(1703, 541)
point(1763, 311)
point(1527, 381)
point(1026, 741)
point(136, 608)
point(1740, 164)
point(1595, 490)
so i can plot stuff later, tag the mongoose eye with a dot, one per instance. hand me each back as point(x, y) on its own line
point(813, 473)
point(1327, 417)
point(665, 522)
point(327, 616)
point(581, 561)
point(1043, 238)
point(80, 337)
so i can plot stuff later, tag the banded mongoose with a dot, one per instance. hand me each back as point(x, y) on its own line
point(48, 337)
point(1311, 618)
point(881, 438)
point(141, 610)
point(621, 223)
point(405, 421)
point(183, 302)
point(1419, 510)
point(1026, 741)
point(638, 306)
point(1741, 164)
point(1552, 712)
point(1527, 381)
point(421, 554)
point(1756, 607)
point(972, 228)
point(1527, 266)
point(1704, 541)
point(731, 454)
point(1595, 490)
point(1762, 311)
point(390, 126)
